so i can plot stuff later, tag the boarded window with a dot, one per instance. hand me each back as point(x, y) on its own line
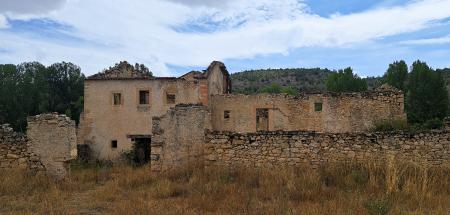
point(262, 119)
point(113, 144)
point(318, 106)
point(117, 98)
point(170, 98)
point(144, 97)
point(226, 114)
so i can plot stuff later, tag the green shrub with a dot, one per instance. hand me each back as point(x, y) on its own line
point(391, 125)
point(379, 206)
point(434, 124)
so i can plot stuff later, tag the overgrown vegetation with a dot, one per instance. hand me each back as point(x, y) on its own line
point(393, 188)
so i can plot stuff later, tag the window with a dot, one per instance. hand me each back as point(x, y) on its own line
point(144, 97)
point(114, 144)
point(318, 106)
point(226, 114)
point(170, 98)
point(262, 119)
point(117, 98)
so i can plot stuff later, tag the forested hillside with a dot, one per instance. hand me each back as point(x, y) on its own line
point(305, 80)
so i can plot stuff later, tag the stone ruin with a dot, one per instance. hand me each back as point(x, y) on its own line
point(49, 144)
point(14, 151)
point(53, 137)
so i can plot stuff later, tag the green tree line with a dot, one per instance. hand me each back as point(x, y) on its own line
point(31, 88)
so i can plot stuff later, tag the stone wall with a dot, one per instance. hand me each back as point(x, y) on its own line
point(178, 136)
point(336, 112)
point(14, 151)
point(294, 148)
point(53, 138)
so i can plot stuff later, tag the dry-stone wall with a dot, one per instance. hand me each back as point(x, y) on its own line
point(14, 151)
point(53, 138)
point(293, 148)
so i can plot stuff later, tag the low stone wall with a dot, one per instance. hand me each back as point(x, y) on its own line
point(53, 138)
point(294, 148)
point(14, 151)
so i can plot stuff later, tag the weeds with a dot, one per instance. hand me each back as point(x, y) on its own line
point(364, 188)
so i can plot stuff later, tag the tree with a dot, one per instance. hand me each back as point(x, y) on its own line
point(31, 88)
point(143, 69)
point(427, 97)
point(397, 75)
point(345, 81)
point(65, 87)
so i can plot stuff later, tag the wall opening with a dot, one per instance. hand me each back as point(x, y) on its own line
point(226, 114)
point(170, 98)
point(318, 106)
point(262, 119)
point(142, 151)
point(144, 97)
point(114, 144)
point(117, 98)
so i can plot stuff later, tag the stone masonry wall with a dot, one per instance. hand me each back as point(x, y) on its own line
point(337, 112)
point(178, 136)
point(294, 148)
point(14, 151)
point(53, 138)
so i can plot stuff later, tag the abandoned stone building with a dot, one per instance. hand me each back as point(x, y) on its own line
point(121, 103)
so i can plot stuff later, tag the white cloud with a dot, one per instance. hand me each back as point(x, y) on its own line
point(3, 22)
point(429, 41)
point(142, 31)
point(30, 6)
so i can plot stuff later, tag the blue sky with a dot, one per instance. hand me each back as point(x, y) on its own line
point(175, 36)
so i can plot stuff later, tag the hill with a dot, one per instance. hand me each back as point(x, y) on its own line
point(302, 79)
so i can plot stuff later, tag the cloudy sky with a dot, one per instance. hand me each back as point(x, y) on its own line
point(175, 36)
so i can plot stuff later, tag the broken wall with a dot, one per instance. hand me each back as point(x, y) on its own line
point(53, 138)
point(179, 136)
point(327, 112)
point(14, 151)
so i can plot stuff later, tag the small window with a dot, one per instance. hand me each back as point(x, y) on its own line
point(117, 98)
point(144, 97)
point(318, 106)
point(170, 98)
point(226, 114)
point(113, 144)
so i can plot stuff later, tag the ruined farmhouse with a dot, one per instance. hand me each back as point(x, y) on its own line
point(168, 122)
point(121, 103)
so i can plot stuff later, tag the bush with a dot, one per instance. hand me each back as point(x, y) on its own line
point(434, 124)
point(391, 125)
point(379, 206)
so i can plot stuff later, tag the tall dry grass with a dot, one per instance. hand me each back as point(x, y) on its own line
point(365, 188)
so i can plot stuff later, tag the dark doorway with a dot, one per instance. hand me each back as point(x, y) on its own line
point(262, 119)
point(141, 151)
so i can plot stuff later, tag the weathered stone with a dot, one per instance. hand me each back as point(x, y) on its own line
point(272, 148)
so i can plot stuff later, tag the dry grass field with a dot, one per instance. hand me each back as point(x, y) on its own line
point(342, 189)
